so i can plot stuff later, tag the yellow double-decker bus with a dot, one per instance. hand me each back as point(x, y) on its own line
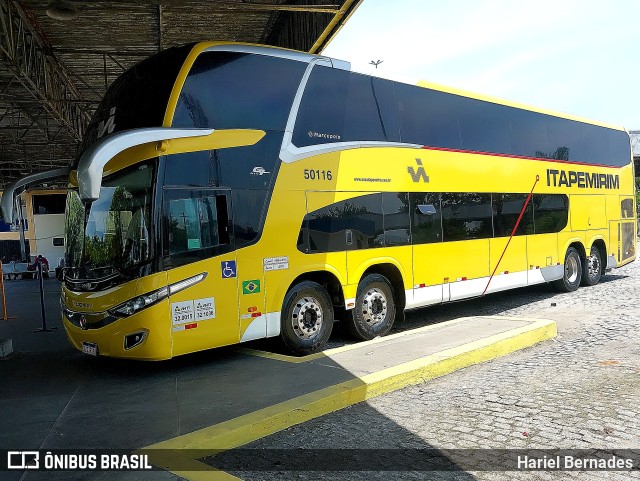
point(231, 192)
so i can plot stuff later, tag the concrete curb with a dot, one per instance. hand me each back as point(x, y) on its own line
point(264, 422)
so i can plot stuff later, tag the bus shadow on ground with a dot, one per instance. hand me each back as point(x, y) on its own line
point(390, 451)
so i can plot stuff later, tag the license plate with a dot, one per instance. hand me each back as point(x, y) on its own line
point(90, 348)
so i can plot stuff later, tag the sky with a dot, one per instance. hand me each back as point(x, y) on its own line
point(577, 57)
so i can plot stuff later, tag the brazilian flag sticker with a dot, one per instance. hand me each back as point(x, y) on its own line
point(250, 287)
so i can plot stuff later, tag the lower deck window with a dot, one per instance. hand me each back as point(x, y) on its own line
point(428, 217)
point(196, 225)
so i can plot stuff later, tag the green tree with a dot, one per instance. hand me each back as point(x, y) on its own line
point(74, 228)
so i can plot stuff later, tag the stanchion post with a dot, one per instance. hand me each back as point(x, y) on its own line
point(4, 297)
point(44, 319)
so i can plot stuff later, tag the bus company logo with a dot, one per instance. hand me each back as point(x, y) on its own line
point(259, 171)
point(420, 173)
point(108, 126)
point(83, 322)
point(582, 180)
point(321, 135)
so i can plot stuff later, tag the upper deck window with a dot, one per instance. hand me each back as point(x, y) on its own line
point(233, 90)
point(443, 120)
point(339, 106)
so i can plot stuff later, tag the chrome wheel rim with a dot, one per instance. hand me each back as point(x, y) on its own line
point(593, 266)
point(374, 307)
point(571, 269)
point(307, 317)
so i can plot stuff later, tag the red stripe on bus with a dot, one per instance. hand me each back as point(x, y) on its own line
point(512, 156)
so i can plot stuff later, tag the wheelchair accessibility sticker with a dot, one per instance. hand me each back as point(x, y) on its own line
point(228, 269)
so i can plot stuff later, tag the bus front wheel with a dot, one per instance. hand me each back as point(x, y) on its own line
point(572, 272)
point(375, 308)
point(306, 318)
point(592, 269)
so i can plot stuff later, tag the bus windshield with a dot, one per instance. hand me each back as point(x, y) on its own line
point(112, 236)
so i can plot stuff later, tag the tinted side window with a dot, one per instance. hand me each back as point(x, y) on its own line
point(426, 218)
point(626, 208)
point(231, 90)
point(551, 212)
point(326, 229)
point(348, 225)
point(593, 145)
point(189, 168)
point(195, 225)
point(484, 126)
point(234, 169)
point(322, 109)
point(397, 231)
point(442, 120)
point(248, 212)
point(428, 117)
point(564, 138)
point(365, 221)
point(619, 148)
point(528, 134)
point(506, 210)
point(466, 216)
point(371, 111)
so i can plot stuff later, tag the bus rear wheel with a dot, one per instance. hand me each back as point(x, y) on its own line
point(375, 308)
point(592, 269)
point(572, 272)
point(306, 318)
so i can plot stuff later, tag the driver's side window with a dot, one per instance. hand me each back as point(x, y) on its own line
point(196, 225)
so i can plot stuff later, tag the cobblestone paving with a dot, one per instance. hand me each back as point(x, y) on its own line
point(578, 391)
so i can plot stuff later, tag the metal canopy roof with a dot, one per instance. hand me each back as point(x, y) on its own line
point(53, 73)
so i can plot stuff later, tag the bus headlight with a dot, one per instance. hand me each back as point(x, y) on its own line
point(136, 304)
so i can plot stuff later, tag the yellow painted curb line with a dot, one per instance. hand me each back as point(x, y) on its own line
point(359, 345)
point(264, 422)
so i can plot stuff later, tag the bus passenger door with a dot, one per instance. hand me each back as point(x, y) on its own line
point(200, 257)
point(623, 232)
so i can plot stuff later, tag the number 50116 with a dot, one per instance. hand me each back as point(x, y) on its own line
point(310, 174)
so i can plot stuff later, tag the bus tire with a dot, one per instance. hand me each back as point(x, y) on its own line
point(306, 318)
point(572, 272)
point(592, 269)
point(375, 308)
